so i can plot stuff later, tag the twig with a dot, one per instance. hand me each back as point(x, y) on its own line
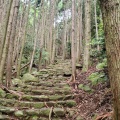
point(50, 114)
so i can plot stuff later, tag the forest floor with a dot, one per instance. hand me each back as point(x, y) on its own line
point(52, 97)
point(95, 105)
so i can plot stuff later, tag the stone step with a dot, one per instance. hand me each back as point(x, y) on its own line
point(41, 98)
point(43, 112)
point(50, 92)
point(30, 104)
point(31, 87)
point(48, 84)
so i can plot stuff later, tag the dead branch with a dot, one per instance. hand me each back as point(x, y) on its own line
point(101, 117)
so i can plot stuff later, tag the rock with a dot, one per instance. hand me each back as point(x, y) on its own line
point(59, 112)
point(29, 78)
point(32, 112)
point(71, 103)
point(44, 112)
point(19, 113)
point(55, 97)
point(67, 73)
point(78, 66)
point(2, 93)
point(17, 81)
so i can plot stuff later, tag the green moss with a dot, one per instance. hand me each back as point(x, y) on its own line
point(19, 113)
point(29, 78)
point(70, 103)
point(45, 112)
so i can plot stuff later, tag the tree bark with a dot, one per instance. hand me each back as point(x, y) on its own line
point(11, 43)
point(96, 24)
point(87, 34)
point(6, 39)
point(73, 42)
point(111, 20)
point(23, 40)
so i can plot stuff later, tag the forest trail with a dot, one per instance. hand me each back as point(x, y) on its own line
point(48, 98)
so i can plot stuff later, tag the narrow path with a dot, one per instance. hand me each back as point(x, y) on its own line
point(48, 98)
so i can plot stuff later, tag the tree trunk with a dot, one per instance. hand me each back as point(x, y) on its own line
point(6, 39)
point(35, 38)
point(96, 24)
point(87, 35)
point(23, 40)
point(52, 10)
point(111, 20)
point(11, 43)
point(79, 31)
point(73, 42)
point(65, 35)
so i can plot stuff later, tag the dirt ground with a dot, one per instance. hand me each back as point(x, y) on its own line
point(96, 105)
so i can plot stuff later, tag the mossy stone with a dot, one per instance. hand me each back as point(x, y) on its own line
point(19, 113)
point(29, 78)
point(70, 103)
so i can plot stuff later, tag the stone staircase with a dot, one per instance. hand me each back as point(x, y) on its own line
point(48, 97)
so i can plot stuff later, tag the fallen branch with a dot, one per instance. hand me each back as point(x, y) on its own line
point(104, 116)
point(22, 68)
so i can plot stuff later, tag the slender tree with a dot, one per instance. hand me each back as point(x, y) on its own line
point(96, 24)
point(11, 43)
point(87, 36)
point(23, 39)
point(73, 42)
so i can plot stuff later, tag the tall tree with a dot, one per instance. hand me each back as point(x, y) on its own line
point(52, 13)
point(111, 20)
point(11, 43)
point(79, 30)
point(23, 39)
point(73, 42)
point(96, 24)
point(36, 28)
point(7, 33)
point(87, 36)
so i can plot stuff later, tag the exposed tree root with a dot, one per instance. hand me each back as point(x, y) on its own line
point(19, 94)
point(102, 117)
